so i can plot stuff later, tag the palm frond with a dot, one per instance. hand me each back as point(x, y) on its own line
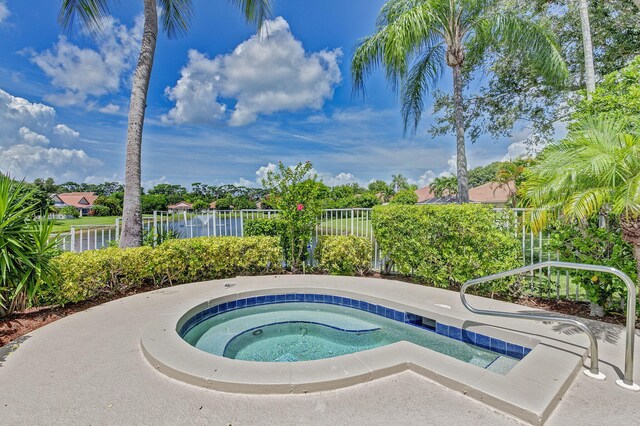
point(91, 13)
point(394, 44)
point(532, 40)
point(176, 16)
point(422, 77)
point(254, 11)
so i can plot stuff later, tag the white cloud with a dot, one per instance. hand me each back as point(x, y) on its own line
point(268, 73)
point(245, 182)
point(102, 179)
point(28, 135)
point(37, 161)
point(83, 72)
point(4, 11)
point(148, 184)
point(109, 109)
point(262, 172)
point(64, 130)
point(31, 137)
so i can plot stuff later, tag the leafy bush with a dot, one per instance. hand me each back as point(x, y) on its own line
point(114, 270)
point(70, 211)
point(99, 210)
point(587, 243)
point(295, 193)
point(344, 254)
point(26, 249)
point(199, 205)
point(445, 244)
point(406, 196)
point(268, 228)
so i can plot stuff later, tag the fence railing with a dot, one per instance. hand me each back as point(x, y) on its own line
point(534, 246)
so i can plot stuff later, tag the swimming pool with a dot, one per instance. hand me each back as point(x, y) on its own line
point(304, 327)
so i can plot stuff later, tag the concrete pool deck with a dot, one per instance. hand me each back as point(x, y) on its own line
point(89, 369)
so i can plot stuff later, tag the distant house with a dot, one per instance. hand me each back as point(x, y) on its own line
point(212, 205)
point(181, 206)
point(490, 193)
point(83, 201)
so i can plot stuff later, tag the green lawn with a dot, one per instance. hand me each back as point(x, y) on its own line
point(361, 226)
point(66, 224)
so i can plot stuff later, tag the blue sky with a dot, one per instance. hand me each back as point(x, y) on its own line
point(224, 103)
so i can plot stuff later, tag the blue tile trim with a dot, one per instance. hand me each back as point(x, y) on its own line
point(466, 336)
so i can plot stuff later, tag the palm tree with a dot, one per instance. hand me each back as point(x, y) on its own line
point(444, 186)
point(415, 38)
point(589, 69)
point(398, 182)
point(596, 169)
point(175, 16)
point(508, 175)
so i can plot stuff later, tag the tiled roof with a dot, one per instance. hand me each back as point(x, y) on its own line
point(81, 200)
point(180, 205)
point(492, 193)
point(489, 193)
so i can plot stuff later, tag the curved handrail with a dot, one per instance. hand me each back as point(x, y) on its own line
point(627, 381)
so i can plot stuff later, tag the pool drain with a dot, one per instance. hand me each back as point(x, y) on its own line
point(257, 332)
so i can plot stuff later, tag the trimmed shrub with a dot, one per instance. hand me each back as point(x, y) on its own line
point(445, 244)
point(113, 270)
point(344, 254)
point(99, 210)
point(70, 212)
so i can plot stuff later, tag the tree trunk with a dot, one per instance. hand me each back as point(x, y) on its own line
point(463, 186)
point(589, 70)
point(131, 235)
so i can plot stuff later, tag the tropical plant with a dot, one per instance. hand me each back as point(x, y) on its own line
point(26, 248)
point(405, 196)
point(415, 38)
point(70, 211)
point(594, 170)
point(508, 176)
point(444, 186)
point(398, 183)
point(295, 193)
point(175, 16)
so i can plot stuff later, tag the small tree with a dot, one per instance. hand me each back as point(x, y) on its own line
point(70, 211)
point(406, 196)
point(295, 192)
point(199, 205)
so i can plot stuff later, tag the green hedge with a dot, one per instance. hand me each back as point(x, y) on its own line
point(344, 254)
point(113, 270)
point(444, 244)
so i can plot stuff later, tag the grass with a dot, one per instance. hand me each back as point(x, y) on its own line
point(361, 226)
point(66, 224)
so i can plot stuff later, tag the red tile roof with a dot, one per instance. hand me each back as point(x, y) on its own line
point(489, 193)
point(80, 200)
point(182, 205)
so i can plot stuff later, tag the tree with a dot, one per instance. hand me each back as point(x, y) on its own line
point(509, 174)
point(596, 169)
point(398, 183)
point(200, 205)
point(295, 193)
point(515, 97)
point(444, 186)
point(175, 16)
point(405, 196)
point(589, 68)
point(430, 33)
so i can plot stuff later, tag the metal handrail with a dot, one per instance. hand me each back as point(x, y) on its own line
point(627, 381)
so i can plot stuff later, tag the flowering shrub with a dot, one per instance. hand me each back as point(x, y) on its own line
point(295, 192)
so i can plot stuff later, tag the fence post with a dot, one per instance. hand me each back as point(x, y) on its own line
point(117, 228)
point(241, 223)
point(155, 228)
point(352, 213)
point(73, 238)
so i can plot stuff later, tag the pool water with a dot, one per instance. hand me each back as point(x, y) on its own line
point(290, 332)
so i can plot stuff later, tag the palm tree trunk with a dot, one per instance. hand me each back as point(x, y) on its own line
point(463, 185)
point(132, 213)
point(589, 70)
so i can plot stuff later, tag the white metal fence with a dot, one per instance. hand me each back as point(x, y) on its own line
point(187, 224)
